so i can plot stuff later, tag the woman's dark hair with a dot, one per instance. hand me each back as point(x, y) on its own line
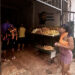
point(67, 28)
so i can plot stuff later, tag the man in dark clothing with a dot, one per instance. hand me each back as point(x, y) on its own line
point(12, 38)
point(4, 45)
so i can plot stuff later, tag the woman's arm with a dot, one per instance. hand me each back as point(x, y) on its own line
point(71, 43)
point(70, 46)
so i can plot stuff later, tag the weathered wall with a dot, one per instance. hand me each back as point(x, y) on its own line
point(27, 16)
point(39, 8)
point(73, 9)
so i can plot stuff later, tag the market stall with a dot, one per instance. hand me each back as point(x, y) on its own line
point(43, 39)
point(46, 21)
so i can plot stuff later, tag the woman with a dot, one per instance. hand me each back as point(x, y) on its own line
point(66, 45)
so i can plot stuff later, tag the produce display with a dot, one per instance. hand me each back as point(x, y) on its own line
point(46, 42)
point(53, 32)
point(36, 30)
point(46, 47)
point(46, 31)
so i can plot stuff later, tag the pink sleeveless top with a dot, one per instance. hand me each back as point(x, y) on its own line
point(64, 51)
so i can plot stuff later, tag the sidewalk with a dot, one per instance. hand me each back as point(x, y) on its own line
point(72, 70)
point(28, 63)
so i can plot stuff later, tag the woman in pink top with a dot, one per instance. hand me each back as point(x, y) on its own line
point(66, 45)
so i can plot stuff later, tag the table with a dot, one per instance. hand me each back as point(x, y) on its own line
point(52, 53)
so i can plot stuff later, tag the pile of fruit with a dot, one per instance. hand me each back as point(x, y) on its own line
point(48, 48)
point(45, 31)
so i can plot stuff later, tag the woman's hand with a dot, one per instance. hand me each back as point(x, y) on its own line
point(57, 44)
point(69, 47)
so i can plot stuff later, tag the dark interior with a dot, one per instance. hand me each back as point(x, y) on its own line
point(17, 12)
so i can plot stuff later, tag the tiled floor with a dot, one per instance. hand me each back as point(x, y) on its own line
point(27, 62)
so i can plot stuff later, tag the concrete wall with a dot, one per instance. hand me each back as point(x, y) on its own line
point(39, 8)
point(27, 15)
point(73, 9)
